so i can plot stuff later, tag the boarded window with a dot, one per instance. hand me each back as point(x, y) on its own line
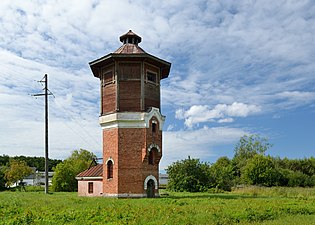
point(109, 169)
point(90, 187)
point(129, 71)
point(107, 77)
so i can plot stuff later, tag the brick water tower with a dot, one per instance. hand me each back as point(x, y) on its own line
point(131, 118)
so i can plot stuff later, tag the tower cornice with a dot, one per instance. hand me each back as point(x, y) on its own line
point(131, 119)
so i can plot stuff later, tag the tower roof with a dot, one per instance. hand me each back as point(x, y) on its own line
point(130, 37)
point(130, 50)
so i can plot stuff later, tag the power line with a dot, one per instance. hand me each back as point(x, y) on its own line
point(77, 122)
point(10, 73)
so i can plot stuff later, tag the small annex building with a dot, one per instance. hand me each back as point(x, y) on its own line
point(90, 181)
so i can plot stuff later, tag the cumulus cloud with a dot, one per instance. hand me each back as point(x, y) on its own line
point(221, 113)
point(199, 143)
point(229, 59)
point(72, 113)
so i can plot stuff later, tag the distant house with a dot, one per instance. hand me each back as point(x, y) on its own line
point(36, 178)
point(90, 181)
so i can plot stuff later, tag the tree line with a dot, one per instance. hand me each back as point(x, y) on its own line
point(31, 161)
point(15, 169)
point(249, 166)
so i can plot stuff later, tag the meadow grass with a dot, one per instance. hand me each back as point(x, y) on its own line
point(299, 192)
point(174, 208)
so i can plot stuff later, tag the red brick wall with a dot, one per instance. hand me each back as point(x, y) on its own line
point(131, 145)
point(128, 147)
point(152, 138)
point(110, 147)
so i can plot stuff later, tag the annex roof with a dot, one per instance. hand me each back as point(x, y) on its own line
point(95, 171)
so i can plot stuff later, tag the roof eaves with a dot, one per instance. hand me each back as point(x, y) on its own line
point(89, 178)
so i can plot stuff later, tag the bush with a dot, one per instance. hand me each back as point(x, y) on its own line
point(297, 179)
point(222, 174)
point(261, 170)
point(188, 175)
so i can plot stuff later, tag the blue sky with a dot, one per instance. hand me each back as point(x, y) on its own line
point(238, 67)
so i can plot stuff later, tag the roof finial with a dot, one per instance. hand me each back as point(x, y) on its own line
point(130, 38)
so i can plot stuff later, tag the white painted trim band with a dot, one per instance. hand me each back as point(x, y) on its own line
point(131, 119)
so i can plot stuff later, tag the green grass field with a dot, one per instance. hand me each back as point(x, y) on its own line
point(245, 206)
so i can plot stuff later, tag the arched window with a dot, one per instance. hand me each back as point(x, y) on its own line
point(109, 169)
point(152, 156)
point(153, 127)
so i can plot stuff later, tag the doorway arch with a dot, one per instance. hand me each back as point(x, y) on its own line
point(151, 186)
point(150, 189)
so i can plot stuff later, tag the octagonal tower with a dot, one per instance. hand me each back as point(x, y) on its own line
point(131, 118)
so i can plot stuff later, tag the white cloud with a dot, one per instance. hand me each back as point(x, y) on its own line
point(72, 114)
point(221, 113)
point(198, 143)
point(224, 54)
point(226, 120)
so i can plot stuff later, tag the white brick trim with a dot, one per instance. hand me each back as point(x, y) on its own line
point(154, 146)
point(151, 177)
point(110, 159)
point(131, 119)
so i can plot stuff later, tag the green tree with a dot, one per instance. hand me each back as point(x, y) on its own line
point(222, 174)
point(261, 170)
point(16, 171)
point(188, 175)
point(2, 177)
point(65, 172)
point(4, 160)
point(246, 149)
point(38, 162)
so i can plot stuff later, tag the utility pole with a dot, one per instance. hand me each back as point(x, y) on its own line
point(45, 81)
